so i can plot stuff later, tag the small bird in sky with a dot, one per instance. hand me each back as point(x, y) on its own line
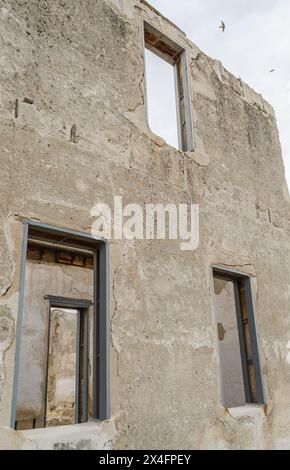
point(222, 26)
point(272, 70)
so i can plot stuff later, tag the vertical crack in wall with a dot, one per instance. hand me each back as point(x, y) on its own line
point(113, 317)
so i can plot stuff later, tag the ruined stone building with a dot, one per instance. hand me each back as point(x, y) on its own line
point(127, 344)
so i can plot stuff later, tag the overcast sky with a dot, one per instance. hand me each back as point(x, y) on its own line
point(256, 40)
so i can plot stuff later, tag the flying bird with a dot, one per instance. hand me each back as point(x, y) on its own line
point(272, 70)
point(222, 26)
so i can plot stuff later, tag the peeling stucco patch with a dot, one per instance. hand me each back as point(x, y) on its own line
point(7, 333)
point(6, 259)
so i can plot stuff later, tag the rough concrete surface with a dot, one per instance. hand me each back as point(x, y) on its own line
point(74, 133)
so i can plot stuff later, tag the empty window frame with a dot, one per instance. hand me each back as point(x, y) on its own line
point(241, 379)
point(68, 360)
point(61, 363)
point(175, 55)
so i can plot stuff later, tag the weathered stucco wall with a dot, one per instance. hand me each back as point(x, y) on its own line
point(81, 63)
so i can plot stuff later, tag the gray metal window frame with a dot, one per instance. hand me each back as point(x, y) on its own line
point(237, 276)
point(82, 307)
point(101, 402)
point(181, 56)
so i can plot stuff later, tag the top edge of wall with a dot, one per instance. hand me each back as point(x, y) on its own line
point(143, 9)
